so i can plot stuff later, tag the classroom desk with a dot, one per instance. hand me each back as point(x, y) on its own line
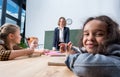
point(33, 67)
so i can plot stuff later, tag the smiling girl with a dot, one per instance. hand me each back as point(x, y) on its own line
point(99, 51)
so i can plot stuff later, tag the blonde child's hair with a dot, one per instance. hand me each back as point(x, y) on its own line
point(30, 39)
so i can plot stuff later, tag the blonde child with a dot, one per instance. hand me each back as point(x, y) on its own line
point(32, 41)
point(10, 35)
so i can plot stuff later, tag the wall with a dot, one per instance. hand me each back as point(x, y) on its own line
point(43, 15)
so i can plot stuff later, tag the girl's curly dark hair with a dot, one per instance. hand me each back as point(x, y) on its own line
point(113, 33)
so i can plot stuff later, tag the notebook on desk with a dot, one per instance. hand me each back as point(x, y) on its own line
point(55, 54)
point(57, 61)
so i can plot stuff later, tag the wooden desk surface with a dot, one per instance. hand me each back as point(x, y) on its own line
point(33, 67)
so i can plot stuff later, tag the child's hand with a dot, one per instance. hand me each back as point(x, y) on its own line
point(64, 47)
point(46, 51)
point(40, 52)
